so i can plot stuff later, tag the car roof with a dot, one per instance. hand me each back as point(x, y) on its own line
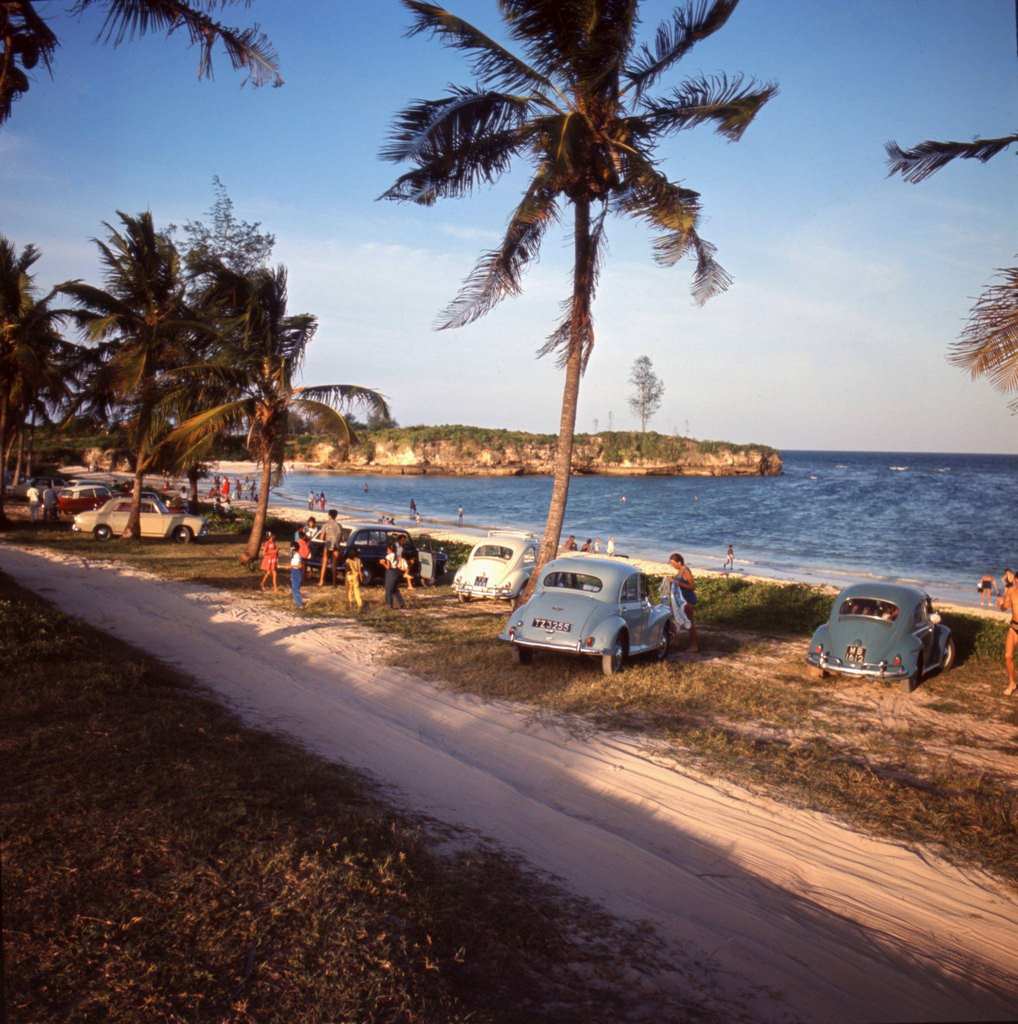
point(364, 525)
point(610, 571)
point(515, 544)
point(897, 593)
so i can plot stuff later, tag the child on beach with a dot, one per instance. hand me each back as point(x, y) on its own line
point(296, 574)
point(270, 561)
point(684, 583)
point(354, 578)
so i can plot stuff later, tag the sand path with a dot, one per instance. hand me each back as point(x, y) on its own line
point(792, 915)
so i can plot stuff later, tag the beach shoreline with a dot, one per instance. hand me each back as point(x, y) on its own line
point(832, 580)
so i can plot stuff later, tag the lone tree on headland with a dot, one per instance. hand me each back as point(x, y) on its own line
point(988, 347)
point(577, 107)
point(648, 390)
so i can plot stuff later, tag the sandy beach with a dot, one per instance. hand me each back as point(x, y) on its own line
point(787, 913)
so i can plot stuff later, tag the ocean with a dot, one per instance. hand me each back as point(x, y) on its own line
point(939, 521)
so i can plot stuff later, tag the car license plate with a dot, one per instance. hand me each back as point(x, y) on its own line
point(553, 625)
point(855, 654)
point(481, 581)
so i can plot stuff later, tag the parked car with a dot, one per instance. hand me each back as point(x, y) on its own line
point(82, 498)
point(156, 521)
point(370, 541)
point(883, 631)
point(593, 607)
point(498, 567)
point(40, 482)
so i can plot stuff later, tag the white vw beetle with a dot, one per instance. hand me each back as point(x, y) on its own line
point(594, 606)
point(156, 521)
point(498, 567)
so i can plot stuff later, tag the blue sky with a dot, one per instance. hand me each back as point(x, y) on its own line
point(848, 285)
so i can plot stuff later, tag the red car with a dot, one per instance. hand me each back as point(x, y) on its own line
point(82, 498)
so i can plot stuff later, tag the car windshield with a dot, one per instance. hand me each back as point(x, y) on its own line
point(870, 608)
point(573, 581)
point(493, 551)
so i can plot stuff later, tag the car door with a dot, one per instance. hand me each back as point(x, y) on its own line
point(153, 522)
point(926, 634)
point(631, 609)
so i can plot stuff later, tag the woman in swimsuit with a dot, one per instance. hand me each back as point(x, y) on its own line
point(683, 582)
point(1008, 601)
point(986, 589)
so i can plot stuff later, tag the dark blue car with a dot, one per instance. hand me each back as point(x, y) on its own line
point(885, 631)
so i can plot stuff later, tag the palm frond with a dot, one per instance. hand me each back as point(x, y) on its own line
point(650, 196)
point(730, 104)
point(919, 162)
point(498, 272)
point(577, 320)
point(988, 347)
point(327, 419)
point(339, 396)
point(429, 128)
point(675, 38)
point(248, 49)
point(211, 421)
point(490, 63)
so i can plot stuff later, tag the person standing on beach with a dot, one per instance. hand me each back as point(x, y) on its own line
point(270, 562)
point(296, 574)
point(610, 547)
point(311, 501)
point(332, 532)
point(685, 584)
point(393, 574)
point(49, 503)
point(354, 578)
point(224, 489)
point(730, 559)
point(413, 509)
point(33, 502)
point(1008, 602)
point(459, 513)
point(987, 589)
point(570, 544)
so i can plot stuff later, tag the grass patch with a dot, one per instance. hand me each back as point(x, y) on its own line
point(162, 862)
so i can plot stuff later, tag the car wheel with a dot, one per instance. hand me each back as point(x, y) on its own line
point(102, 532)
point(464, 598)
point(183, 535)
point(950, 655)
point(611, 663)
point(911, 682)
point(522, 655)
point(816, 672)
point(667, 638)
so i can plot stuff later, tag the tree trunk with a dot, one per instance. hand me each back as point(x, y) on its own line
point(21, 455)
point(132, 530)
point(580, 314)
point(3, 462)
point(254, 540)
point(193, 472)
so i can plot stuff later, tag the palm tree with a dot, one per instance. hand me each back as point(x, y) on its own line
point(988, 347)
point(261, 356)
point(28, 341)
point(144, 330)
point(26, 38)
point(578, 108)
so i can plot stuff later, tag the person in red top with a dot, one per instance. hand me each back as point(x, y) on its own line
point(224, 489)
point(270, 561)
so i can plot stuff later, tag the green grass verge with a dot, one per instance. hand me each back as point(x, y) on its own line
point(161, 862)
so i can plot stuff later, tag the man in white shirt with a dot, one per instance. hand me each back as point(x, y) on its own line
point(33, 501)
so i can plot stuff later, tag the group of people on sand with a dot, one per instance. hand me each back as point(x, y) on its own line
point(329, 535)
point(220, 489)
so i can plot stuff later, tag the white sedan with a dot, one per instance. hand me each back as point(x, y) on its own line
point(156, 521)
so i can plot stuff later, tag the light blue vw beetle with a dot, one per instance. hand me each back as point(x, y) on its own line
point(594, 606)
point(884, 631)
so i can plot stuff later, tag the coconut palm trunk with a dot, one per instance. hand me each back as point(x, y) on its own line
point(132, 529)
point(19, 458)
point(254, 540)
point(583, 281)
point(3, 457)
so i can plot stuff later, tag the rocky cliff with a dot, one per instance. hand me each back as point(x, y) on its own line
point(467, 451)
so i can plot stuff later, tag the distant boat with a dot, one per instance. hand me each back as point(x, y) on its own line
point(898, 469)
